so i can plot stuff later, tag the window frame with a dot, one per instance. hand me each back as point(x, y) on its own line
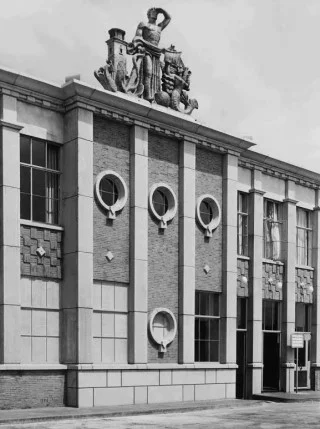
point(207, 317)
point(309, 234)
point(279, 222)
point(55, 173)
point(243, 249)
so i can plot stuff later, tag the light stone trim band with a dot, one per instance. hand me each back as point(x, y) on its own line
point(122, 190)
point(172, 204)
point(216, 210)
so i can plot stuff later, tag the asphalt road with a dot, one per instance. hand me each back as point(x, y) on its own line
point(266, 415)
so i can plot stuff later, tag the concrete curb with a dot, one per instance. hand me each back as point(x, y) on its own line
point(45, 414)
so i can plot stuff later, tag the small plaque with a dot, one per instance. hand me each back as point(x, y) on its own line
point(297, 341)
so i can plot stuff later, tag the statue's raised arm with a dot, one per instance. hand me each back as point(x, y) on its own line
point(167, 18)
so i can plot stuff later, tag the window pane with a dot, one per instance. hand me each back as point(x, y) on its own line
point(204, 329)
point(302, 218)
point(241, 313)
point(197, 351)
point(52, 157)
point(276, 321)
point(38, 153)
point(214, 351)
point(204, 351)
point(204, 304)
point(52, 210)
point(38, 182)
point(39, 209)
point(197, 304)
point(206, 212)
point(214, 329)
point(25, 149)
point(216, 304)
point(52, 185)
point(196, 329)
point(160, 202)
point(25, 206)
point(267, 315)
point(25, 173)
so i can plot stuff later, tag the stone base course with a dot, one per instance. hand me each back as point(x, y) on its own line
point(116, 387)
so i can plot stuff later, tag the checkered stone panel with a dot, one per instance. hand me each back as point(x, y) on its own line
point(272, 281)
point(242, 277)
point(304, 285)
point(32, 264)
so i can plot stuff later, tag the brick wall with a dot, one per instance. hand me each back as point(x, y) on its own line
point(242, 277)
point(163, 247)
point(304, 285)
point(272, 277)
point(32, 389)
point(111, 152)
point(49, 265)
point(209, 251)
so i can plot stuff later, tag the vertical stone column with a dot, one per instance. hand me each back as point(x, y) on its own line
point(255, 232)
point(138, 289)
point(315, 329)
point(9, 232)
point(228, 352)
point(77, 219)
point(187, 193)
point(289, 307)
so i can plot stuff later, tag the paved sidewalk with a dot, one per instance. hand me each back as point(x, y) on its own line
point(61, 413)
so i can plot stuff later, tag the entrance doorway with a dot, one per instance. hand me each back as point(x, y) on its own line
point(271, 361)
point(241, 348)
point(303, 325)
point(271, 325)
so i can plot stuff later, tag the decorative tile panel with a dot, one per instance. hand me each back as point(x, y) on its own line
point(242, 277)
point(32, 263)
point(272, 281)
point(304, 285)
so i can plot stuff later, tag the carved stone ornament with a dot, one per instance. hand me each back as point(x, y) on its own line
point(157, 74)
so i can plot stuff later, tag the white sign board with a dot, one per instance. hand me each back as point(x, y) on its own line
point(297, 341)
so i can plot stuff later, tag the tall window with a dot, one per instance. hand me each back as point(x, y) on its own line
point(304, 237)
point(242, 224)
point(207, 327)
point(303, 317)
point(271, 315)
point(272, 230)
point(39, 180)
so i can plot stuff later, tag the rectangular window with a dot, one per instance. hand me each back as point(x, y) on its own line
point(272, 233)
point(303, 317)
point(207, 327)
point(271, 315)
point(39, 180)
point(241, 313)
point(304, 237)
point(242, 224)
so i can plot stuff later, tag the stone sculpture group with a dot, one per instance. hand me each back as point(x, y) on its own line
point(157, 74)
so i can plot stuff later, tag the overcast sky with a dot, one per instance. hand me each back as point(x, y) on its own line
point(255, 66)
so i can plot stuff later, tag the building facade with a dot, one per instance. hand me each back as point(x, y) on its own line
point(145, 257)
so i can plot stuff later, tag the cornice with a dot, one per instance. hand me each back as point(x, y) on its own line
point(276, 168)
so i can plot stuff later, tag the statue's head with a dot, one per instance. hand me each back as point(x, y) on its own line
point(152, 13)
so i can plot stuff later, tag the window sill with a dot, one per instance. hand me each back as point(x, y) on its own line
point(246, 258)
point(271, 261)
point(304, 267)
point(41, 225)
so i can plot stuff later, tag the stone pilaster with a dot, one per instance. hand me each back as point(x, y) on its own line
point(255, 232)
point(9, 232)
point(315, 329)
point(77, 220)
point(228, 353)
point(187, 251)
point(288, 305)
point(138, 290)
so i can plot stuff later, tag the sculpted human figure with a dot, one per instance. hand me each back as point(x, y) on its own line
point(147, 37)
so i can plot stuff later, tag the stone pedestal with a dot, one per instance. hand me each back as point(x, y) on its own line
point(187, 251)
point(9, 232)
point(138, 289)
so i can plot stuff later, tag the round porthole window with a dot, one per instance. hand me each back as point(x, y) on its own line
point(162, 203)
point(208, 213)
point(111, 192)
point(162, 327)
